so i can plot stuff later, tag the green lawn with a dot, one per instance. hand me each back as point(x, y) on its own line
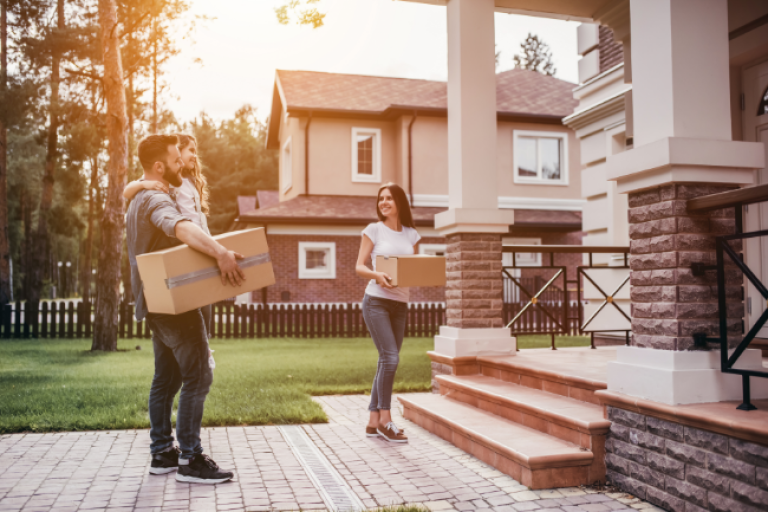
point(55, 385)
point(50, 385)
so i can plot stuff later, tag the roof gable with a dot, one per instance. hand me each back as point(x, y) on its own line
point(519, 92)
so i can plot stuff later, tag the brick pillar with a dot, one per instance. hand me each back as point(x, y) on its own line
point(669, 303)
point(474, 282)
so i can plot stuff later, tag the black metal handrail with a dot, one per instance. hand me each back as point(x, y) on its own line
point(732, 199)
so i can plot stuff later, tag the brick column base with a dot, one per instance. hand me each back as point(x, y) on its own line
point(669, 303)
point(474, 282)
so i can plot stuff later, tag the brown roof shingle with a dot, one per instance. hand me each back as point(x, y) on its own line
point(518, 91)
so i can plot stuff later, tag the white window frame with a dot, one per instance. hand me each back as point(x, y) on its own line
point(432, 248)
point(538, 180)
point(305, 273)
point(512, 241)
point(286, 171)
point(376, 176)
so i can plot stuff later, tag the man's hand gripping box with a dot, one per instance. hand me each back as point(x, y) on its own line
point(181, 279)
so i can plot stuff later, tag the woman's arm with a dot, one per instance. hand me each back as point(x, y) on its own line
point(366, 248)
point(133, 188)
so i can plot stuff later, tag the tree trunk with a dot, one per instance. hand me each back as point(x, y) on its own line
point(154, 81)
point(5, 252)
point(26, 252)
point(131, 135)
point(46, 196)
point(108, 280)
point(88, 248)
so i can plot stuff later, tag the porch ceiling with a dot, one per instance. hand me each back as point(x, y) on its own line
point(578, 10)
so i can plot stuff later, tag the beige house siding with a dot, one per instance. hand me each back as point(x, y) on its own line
point(330, 157)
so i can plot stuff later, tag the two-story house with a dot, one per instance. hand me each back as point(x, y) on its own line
point(341, 136)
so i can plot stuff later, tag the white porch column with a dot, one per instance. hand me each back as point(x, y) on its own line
point(473, 223)
point(472, 174)
point(683, 149)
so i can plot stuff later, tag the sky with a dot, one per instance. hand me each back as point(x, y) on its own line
point(243, 46)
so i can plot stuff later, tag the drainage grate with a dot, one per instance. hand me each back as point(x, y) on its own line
point(335, 492)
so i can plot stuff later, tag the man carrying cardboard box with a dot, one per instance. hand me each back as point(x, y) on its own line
point(180, 341)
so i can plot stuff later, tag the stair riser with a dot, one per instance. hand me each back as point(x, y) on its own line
point(507, 411)
point(545, 478)
point(540, 382)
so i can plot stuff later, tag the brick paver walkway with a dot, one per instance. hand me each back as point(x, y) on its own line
point(84, 471)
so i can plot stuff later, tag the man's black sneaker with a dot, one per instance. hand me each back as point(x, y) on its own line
point(165, 462)
point(202, 470)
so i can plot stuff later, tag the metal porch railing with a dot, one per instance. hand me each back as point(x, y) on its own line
point(736, 199)
point(539, 310)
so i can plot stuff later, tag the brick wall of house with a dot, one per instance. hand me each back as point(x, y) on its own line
point(347, 287)
point(685, 469)
point(611, 52)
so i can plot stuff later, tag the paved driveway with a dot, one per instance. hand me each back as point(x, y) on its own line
point(309, 468)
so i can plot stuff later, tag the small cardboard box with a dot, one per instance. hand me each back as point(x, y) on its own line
point(181, 279)
point(416, 270)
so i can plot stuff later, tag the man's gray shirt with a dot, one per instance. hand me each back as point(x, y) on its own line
point(151, 226)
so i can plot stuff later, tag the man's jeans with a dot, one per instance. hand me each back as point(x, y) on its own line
point(386, 321)
point(181, 362)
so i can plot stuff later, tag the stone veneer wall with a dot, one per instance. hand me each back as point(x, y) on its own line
point(685, 469)
point(670, 304)
point(474, 281)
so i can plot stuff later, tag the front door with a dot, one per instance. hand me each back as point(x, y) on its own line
point(755, 80)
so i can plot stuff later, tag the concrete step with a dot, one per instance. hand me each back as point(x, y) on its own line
point(565, 377)
point(535, 459)
point(565, 418)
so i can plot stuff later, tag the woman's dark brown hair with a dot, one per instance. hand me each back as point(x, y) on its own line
point(401, 201)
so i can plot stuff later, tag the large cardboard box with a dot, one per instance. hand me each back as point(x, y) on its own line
point(416, 270)
point(181, 279)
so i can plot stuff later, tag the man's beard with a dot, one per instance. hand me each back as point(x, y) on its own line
point(170, 177)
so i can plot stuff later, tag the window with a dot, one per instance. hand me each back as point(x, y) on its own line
point(540, 157)
point(522, 259)
point(317, 260)
point(762, 109)
point(366, 155)
point(286, 166)
point(432, 249)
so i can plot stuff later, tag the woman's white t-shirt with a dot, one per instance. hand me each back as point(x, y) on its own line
point(188, 203)
point(387, 242)
point(185, 200)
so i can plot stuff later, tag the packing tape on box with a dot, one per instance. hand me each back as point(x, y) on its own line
point(207, 273)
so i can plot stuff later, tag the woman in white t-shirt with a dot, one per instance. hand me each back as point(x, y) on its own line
point(385, 307)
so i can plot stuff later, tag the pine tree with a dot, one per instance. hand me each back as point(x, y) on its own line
point(107, 289)
point(535, 55)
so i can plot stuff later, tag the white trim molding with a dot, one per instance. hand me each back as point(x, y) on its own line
point(329, 272)
point(681, 377)
point(286, 168)
point(508, 202)
point(538, 180)
point(376, 156)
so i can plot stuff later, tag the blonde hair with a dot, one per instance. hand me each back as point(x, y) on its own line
point(196, 173)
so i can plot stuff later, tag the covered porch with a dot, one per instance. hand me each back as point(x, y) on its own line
point(658, 417)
